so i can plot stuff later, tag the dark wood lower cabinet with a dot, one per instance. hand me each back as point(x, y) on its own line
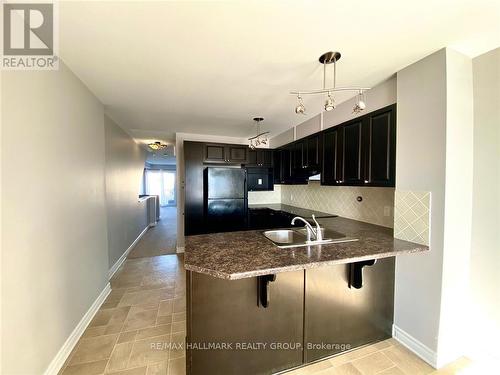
point(226, 311)
point(338, 317)
point(313, 314)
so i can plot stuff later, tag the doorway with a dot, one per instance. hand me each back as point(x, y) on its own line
point(161, 182)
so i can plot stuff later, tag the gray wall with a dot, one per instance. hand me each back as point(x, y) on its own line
point(126, 216)
point(434, 153)
point(54, 243)
point(485, 254)
point(420, 166)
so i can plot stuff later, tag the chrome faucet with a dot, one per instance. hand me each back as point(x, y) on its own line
point(310, 230)
point(319, 234)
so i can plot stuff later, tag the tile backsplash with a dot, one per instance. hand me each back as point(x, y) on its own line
point(261, 197)
point(411, 216)
point(376, 207)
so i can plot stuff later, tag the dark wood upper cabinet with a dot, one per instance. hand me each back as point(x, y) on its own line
point(298, 155)
point(352, 157)
point(380, 147)
point(224, 153)
point(332, 146)
point(313, 151)
point(215, 153)
point(277, 170)
point(260, 158)
point(237, 154)
point(286, 165)
point(361, 152)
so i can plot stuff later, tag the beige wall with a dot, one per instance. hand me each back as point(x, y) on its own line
point(54, 244)
point(126, 216)
point(485, 254)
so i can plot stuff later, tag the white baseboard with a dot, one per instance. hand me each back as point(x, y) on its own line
point(63, 354)
point(180, 249)
point(120, 261)
point(423, 351)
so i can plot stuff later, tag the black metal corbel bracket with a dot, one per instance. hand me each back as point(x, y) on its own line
point(263, 289)
point(356, 273)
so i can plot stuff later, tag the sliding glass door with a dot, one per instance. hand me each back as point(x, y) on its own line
point(162, 183)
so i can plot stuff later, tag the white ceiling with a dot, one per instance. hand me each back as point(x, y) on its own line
point(209, 67)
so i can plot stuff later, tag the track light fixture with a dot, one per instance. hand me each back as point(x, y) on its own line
point(325, 59)
point(260, 138)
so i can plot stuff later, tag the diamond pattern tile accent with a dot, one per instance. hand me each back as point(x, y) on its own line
point(377, 206)
point(412, 216)
point(265, 197)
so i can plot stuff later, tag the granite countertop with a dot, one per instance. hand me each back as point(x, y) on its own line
point(304, 212)
point(238, 255)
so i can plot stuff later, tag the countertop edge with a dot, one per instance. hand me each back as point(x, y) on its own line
point(298, 267)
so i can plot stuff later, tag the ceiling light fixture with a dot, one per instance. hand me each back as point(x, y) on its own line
point(157, 146)
point(261, 137)
point(325, 59)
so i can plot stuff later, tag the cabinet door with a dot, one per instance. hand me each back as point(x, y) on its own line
point(352, 160)
point(237, 154)
point(380, 148)
point(312, 152)
point(338, 315)
point(298, 155)
point(265, 158)
point(252, 158)
point(194, 221)
point(215, 153)
point(277, 170)
point(226, 311)
point(286, 165)
point(332, 157)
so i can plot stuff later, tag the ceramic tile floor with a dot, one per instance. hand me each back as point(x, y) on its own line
point(147, 307)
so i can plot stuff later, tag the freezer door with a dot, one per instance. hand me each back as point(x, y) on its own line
point(226, 214)
point(226, 183)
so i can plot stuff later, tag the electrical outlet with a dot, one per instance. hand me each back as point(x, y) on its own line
point(387, 210)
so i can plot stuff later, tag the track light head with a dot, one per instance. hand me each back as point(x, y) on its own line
point(300, 108)
point(329, 103)
point(360, 103)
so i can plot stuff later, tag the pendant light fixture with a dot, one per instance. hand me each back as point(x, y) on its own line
point(260, 138)
point(326, 59)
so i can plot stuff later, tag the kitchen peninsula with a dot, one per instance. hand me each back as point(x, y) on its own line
point(301, 304)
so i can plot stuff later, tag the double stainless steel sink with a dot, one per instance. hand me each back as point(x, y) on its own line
point(285, 238)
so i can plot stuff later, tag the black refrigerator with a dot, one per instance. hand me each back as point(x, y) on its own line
point(226, 201)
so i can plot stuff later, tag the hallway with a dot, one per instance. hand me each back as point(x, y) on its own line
point(146, 307)
point(161, 239)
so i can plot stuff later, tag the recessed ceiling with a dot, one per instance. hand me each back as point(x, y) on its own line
point(210, 67)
